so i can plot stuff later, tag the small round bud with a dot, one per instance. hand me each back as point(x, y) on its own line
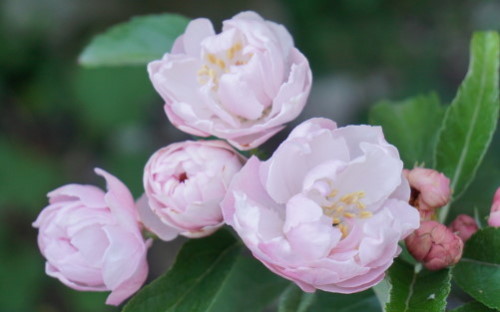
point(430, 189)
point(435, 245)
point(494, 219)
point(464, 226)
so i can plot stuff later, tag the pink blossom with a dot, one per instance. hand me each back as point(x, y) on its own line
point(435, 245)
point(242, 85)
point(431, 188)
point(185, 183)
point(327, 209)
point(92, 240)
point(464, 226)
point(494, 219)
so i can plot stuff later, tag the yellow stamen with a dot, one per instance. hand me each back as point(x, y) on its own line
point(349, 198)
point(231, 51)
point(333, 193)
point(211, 58)
point(349, 215)
point(343, 230)
point(340, 209)
point(365, 214)
point(360, 205)
point(221, 63)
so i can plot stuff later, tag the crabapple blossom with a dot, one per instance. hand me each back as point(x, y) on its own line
point(327, 209)
point(92, 239)
point(242, 85)
point(435, 245)
point(185, 183)
point(464, 226)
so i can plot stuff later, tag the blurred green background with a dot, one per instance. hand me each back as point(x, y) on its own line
point(58, 121)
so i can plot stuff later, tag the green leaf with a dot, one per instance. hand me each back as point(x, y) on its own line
point(199, 273)
point(478, 272)
point(382, 291)
point(423, 291)
point(365, 301)
point(293, 299)
point(471, 119)
point(473, 307)
point(250, 287)
point(113, 97)
point(411, 125)
point(138, 41)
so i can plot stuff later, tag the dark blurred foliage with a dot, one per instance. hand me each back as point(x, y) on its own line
point(58, 120)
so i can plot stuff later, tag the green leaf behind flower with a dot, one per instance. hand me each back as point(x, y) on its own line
point(413, 291)
point(199, 273)
point(478, 272)
point(211, 275)
point(136, 42)
point(471, 119)
point(473, 307)
point(411, 125)
point(295, 300)
point(250, 287)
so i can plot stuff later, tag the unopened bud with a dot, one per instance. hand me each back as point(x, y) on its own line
point(464, 226)
point(494, 219)
point(435, 245)
point(430, 189)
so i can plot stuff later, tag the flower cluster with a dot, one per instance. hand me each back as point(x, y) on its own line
point(327, 210)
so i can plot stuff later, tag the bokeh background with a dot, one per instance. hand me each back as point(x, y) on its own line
point(58, 120)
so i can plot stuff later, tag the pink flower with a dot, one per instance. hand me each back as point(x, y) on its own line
point(435, 245)
point(327, 209)
point(242, 85)
point(464, 226)
point(92, 240)
point(431, 188)
point(186, 182)
point(494, 219)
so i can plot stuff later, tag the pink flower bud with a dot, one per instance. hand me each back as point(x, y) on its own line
point(435, 245)
point(431, 189)
point(185, 183)
point(92, 240)
point(494, 219)
point(464, 226)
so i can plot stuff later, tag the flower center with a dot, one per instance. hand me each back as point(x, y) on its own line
point(182, 177)
point(348, 206)
point(218, 64)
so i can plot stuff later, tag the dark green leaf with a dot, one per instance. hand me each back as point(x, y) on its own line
point(473, 307)
point(249, 288)
point(478, 272)
point(138, 41)
point(198, 275)
point(365, 301)
point(411, 125)
point(424, 291)
point(471, 119)
point(295, 300)
point(382, 291)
